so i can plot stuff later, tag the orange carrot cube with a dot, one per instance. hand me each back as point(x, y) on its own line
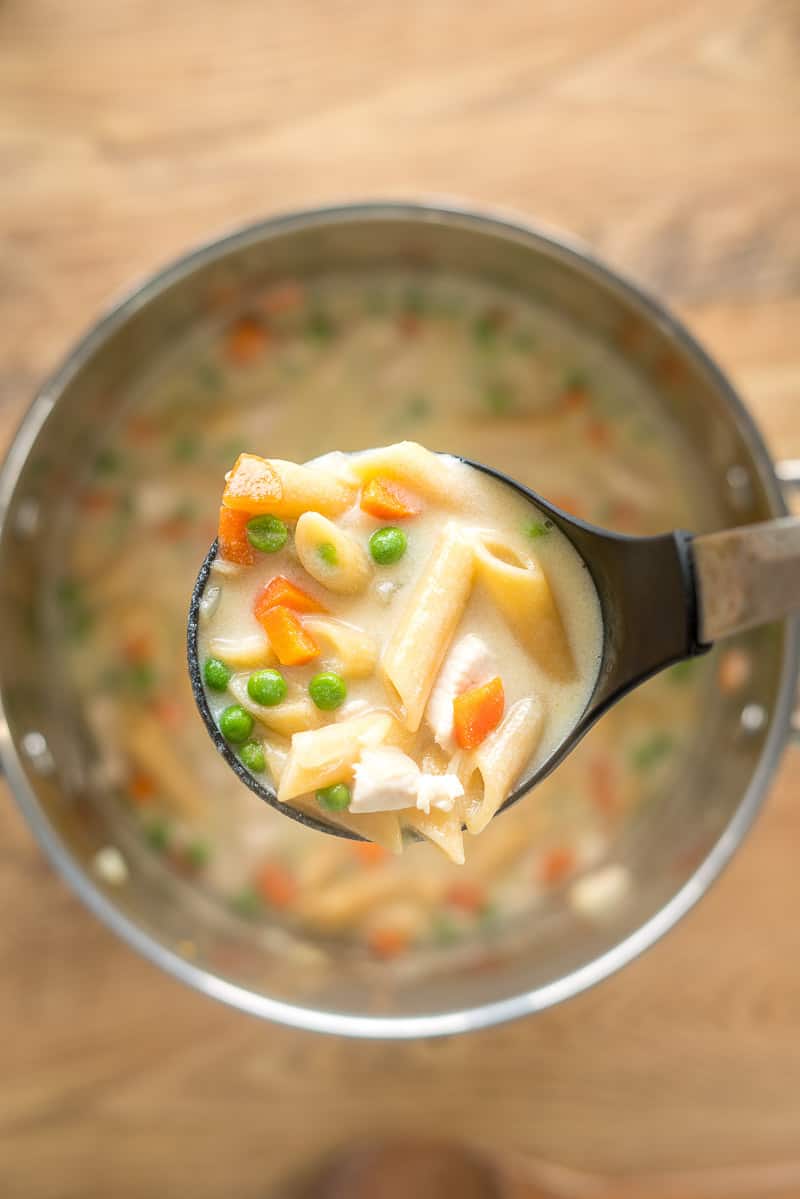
point(290, 641)
point(252, 485)
point(388, 500)
point(477, 712)
point(281, 592)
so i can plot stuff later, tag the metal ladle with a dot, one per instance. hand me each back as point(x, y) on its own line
point(663, 599)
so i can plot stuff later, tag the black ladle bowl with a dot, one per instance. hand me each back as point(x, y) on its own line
point(662, 599)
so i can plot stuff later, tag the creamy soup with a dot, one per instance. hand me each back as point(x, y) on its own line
point(358, 362)
point(407, 675)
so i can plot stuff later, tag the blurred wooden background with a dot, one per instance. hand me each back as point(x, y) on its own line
point(665, 133)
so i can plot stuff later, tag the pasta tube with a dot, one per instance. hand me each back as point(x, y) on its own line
point(245, 652)
point(343, 647)
point(520, 589)
point(419, 642)
point(291, 716)
point(271, 485)
point(500, 759)
point(443, 828)
point(324, 756)
point(426, 473)
point(331, 555)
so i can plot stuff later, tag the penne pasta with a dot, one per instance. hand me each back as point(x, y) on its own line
point(520, 589)
point(343, 647)
point(248, 651)
point(428, 474)
point(383, 828)
point(278, 488)
point(501, 758)
point(347, 900)
point(276, 753)
point(293, 715)
point(419, 641)
point(321, 757)
point(149, 746)
point(331, 555)
point(442, 828)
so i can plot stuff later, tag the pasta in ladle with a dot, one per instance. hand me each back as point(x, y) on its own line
point(411, 654)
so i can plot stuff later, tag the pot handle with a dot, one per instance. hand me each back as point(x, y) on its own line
point(788, 473)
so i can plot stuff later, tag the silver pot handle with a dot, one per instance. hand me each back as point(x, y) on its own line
point(788, 473)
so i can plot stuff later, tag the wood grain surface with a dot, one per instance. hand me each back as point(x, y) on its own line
point(665, 133)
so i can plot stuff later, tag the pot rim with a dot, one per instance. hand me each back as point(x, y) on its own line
point(570, 251)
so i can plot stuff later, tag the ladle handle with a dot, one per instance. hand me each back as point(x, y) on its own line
point(746, 577)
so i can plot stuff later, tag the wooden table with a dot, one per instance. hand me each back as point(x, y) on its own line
point(665, 133)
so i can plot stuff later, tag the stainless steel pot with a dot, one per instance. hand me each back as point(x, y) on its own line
point(673, 856)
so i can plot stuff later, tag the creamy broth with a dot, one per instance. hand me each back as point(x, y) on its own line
point(357, 362)
point(489, 658)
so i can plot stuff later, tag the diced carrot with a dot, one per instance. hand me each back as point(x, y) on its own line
point(477, 711)
point(602, 789)
point(98, 500)
point(141, 788)
point(409, 323)
point(174, 528)
point(283, 297)
point(220, 297)
point(138, 648)
point(142, 429)
point(232, 535)
point(281, 592)
point(292, 644)
point(569, 503)
point(574, 398)
point(468, 896)
point(169, 712)
point(734, 670)
point(556, 865)
point(388, 500)
point(275, 885)
point(388, 942)
point(598, 433)
point(252, 485)
point(370, 854)
point(624, 512)
point(246, 341)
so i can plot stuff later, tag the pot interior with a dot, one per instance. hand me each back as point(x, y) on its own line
point(342, 331)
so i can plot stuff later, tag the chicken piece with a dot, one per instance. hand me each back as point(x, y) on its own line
point(469, 663)
point(438, 791)
point(387, 780)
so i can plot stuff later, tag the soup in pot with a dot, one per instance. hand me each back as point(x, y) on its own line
point(357, 362)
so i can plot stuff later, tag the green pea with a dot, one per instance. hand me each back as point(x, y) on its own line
point(247, 903)
point(652, 751)
point(216, 674)
point(198, 854)
point(335, 798)
point(538, 528)
point(253, 756)
point(235, 724)
point(320, 326)
point(328, 690)
point(388, 545)
point(157, 834)
point(267, 687)
point(327, 552)
point(266, 533)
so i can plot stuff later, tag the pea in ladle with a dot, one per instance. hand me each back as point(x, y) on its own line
point(663, 599)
